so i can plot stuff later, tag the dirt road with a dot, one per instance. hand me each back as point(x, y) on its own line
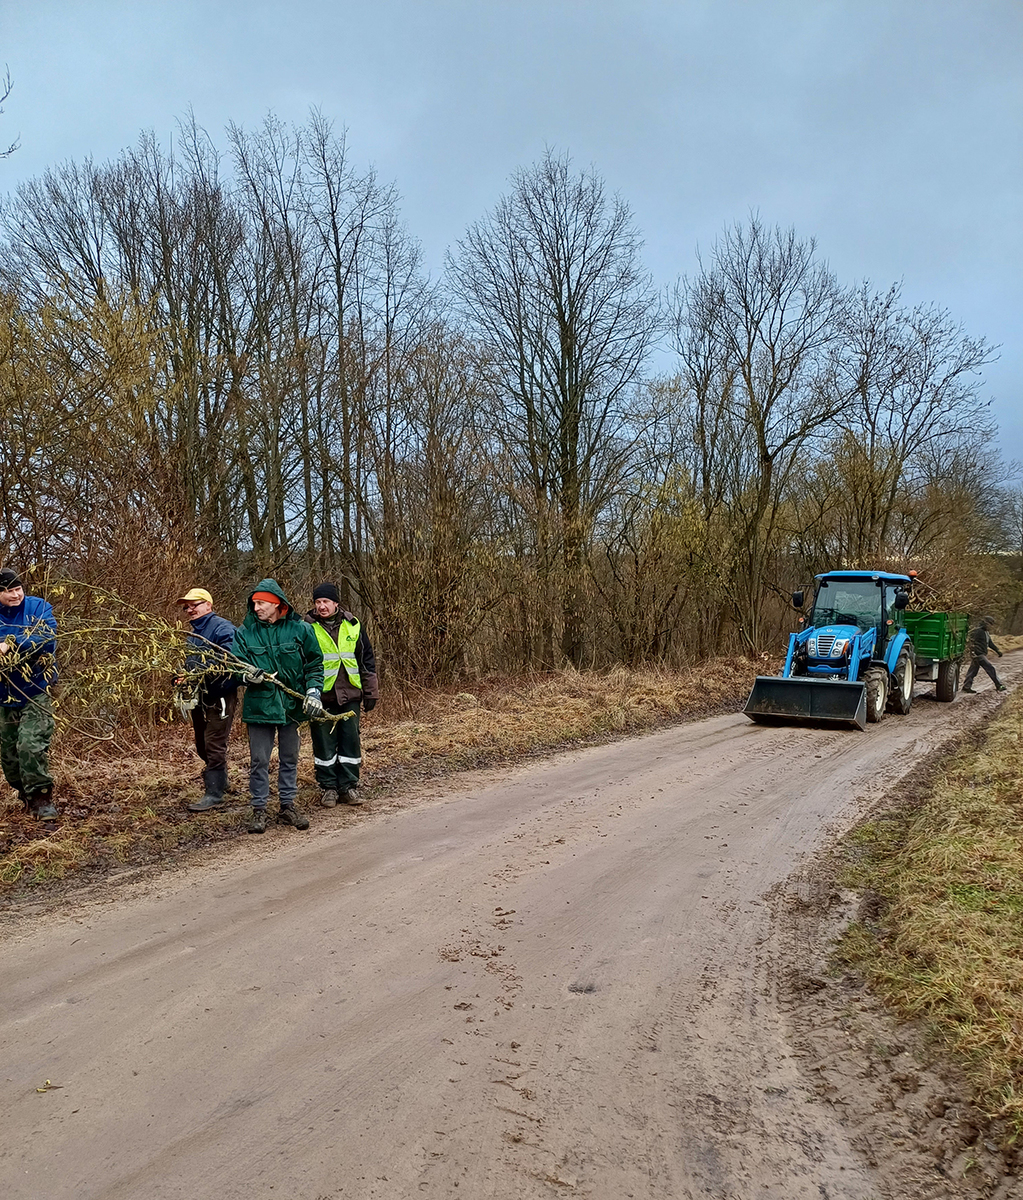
point(551, 981)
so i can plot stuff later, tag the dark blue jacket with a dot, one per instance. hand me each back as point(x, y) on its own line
point(201, 654)
point(33, 629)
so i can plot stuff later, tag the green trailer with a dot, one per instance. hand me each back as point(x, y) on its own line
point(939, 639)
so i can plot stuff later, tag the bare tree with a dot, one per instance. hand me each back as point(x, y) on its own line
point(915, 412)
point(240, 365)
point(757, 333)
point(553, 283)
point(6, 87)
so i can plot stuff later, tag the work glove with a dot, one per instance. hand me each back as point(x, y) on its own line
point(253, 675)
point(368, 703)
point(312, 705)
point(185, 701)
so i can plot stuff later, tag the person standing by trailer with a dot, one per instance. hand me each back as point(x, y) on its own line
point(28, 669)
point(274, 641)
point(979, 643)
point(350, 682)
point(213, 697)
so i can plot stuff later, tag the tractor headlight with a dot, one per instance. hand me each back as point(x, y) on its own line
point(811, 647)
point(839, 648)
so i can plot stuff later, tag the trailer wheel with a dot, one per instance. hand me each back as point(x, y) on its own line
point(903, 678)
point(948, 680)
point(876, 683)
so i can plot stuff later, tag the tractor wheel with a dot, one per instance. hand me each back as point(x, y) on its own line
point(876, 681)
point(903, 678)
point(948, 680)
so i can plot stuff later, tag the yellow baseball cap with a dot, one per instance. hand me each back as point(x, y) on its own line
point(196, 594)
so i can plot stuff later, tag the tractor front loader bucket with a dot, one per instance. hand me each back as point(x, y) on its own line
point(775, 700)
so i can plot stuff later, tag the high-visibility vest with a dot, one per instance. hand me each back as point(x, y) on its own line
point(341, 652)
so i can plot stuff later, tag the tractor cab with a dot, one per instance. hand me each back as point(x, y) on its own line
point(848, 605)
point(851, 655)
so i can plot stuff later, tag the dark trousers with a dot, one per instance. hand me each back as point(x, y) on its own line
point(261, 744)
point(25, 735)
point(980, 662)
point(211, 723)
point(337, 754)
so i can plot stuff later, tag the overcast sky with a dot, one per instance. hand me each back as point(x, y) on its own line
point(889, 131)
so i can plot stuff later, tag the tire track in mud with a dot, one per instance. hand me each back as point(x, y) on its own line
point(699, 1099)
point(559, 983)
point(511, 1079)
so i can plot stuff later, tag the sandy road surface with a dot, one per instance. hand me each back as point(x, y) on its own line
point(553, 982)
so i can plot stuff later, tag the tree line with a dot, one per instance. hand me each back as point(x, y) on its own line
point(215, 367)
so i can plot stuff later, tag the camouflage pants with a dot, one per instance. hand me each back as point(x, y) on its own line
point(25, 735)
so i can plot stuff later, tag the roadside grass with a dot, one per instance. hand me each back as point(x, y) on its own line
point(124, 803)
point(943, 879)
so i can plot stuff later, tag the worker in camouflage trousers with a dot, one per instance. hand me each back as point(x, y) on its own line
point(28, 669)
point(350, 682)
point(979, 643)
point(278, 646)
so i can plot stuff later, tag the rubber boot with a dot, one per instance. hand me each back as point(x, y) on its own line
point(216, 784)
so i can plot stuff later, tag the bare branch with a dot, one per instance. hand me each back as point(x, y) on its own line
point(6, 87)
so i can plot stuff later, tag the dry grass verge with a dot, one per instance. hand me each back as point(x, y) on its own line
point(943, 942)
point(125, 805)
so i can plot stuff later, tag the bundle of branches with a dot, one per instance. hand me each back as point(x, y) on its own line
point(970, 585)
point(115, 663)
point(122, 668)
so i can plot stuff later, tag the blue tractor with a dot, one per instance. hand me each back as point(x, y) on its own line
point(852, 660)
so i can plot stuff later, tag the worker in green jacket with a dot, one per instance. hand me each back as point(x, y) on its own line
point(275, 642)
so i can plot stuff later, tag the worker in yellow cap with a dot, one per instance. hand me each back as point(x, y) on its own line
point(210, 698)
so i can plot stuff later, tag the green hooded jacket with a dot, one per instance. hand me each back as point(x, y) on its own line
point(288, 649)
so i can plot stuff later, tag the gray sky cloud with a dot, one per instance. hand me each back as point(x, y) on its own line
point(889, 131)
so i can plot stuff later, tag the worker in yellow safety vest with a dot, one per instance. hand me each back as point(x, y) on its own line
point(349, 682)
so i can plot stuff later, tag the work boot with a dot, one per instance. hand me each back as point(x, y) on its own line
point(1000, 687)
point(257, 822)
point(968, 689)
point(329, 798)
point(351, 796)
point(288, 814)
point(41, 806)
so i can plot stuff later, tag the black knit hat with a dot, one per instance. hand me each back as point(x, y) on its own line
point(326, 591)
point(9, 579)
